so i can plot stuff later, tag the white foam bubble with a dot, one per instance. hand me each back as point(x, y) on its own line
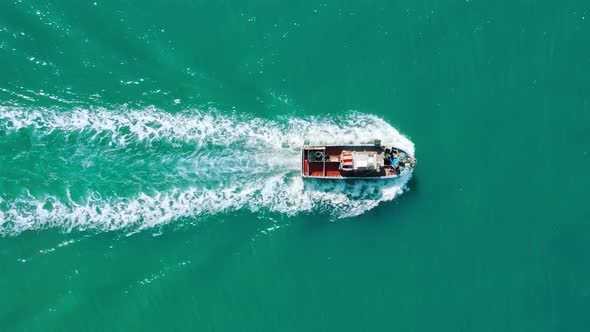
point(282, 193)
point(124, 126)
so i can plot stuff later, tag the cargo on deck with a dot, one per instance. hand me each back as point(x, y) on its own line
point(360, 161)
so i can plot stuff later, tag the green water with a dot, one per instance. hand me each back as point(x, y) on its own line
point(149, 166)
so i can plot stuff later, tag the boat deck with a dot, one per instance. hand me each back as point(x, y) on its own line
point(328, 166)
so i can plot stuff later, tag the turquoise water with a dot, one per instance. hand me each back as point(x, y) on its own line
point(149, 166)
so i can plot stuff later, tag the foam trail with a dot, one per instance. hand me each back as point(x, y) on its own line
point(267, 152)
point(282, 193)
point(127, 126)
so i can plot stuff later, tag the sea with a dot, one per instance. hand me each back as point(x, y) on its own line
point(150, 165)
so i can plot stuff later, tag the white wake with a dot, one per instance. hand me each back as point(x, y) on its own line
point(248, 163)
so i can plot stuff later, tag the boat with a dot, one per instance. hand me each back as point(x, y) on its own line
point(355, 161)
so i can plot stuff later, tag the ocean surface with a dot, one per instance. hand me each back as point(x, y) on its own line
point(150, 165)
